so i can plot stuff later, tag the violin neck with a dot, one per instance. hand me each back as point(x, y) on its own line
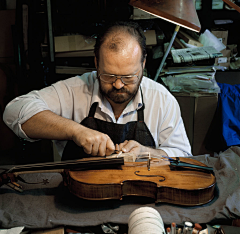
point(82, 164)
point(38, 171)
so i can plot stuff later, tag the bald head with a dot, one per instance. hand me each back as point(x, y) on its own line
point(117, 37)
point(114, 42)
point(122, 44)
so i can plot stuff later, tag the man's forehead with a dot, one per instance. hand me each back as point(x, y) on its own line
point(117, 41)
point(126, 50)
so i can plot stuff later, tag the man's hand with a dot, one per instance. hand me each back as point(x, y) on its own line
point(48, 125)
point(130, 147)
point(136, 148)
point(93, 142)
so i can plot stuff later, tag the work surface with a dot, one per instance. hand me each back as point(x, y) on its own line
point(51, 205)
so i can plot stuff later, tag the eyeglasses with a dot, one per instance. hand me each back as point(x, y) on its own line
point(129, 79)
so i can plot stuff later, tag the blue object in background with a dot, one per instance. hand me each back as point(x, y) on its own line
point(225, 129)
point(230, 101)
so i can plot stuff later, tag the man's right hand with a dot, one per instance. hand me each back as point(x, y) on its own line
point(93, 142)
point(48, 125)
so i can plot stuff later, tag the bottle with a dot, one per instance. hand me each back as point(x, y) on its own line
point(173, 228)
point(197, 228)
point(188, 227)
point(179, 231)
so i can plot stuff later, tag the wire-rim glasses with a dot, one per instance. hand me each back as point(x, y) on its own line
point(110, 78)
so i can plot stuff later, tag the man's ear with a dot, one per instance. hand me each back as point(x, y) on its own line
point(144, 62)
point(95, 62)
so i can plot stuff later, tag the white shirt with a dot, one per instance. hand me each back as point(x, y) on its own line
point(72, 99)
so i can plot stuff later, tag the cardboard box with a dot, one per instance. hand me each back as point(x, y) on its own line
point(177, 44)
point(73, 43)
point(221, 34)
point(197, 113)
point(225, 59)
point(7, 19)
point(83, 43)
point(189, 39)
point(151, 38)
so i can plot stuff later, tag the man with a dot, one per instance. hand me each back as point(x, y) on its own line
point(115, 108)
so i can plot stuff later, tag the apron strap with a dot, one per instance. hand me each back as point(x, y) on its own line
point(92, 110)
point(140, 111)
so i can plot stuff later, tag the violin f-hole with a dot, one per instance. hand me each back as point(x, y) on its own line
point(136, 173)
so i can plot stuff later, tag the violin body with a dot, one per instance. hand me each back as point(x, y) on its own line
point(181, 187)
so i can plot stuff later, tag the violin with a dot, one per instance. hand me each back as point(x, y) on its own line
point(180, 181)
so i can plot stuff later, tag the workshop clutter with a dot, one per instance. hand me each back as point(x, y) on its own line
point(74, 54)
point(196, 79)
point(73, 43)
point(208, 48)
point(191, 79)
point(196, 91)
point(145, 220)
point(197, 112)
point(222, 36)
point(190, 76)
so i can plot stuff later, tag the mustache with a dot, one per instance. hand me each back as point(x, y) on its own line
point(122, 90)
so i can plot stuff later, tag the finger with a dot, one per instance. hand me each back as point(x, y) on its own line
point(129, 146)
point(123, 144)
point(110, 147)
point(87, 149)
point(95, 148)
point(102, 148)
point(134, 150)
point(117, 148)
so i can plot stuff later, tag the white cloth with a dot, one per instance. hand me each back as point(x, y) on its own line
point(72, 99)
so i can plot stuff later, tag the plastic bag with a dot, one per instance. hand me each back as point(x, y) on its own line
point(192, 82)
point(208, 39)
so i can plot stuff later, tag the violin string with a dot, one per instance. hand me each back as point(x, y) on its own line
point(74, 162)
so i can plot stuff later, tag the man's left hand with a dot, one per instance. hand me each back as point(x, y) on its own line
point(130, 147)
point(136, 148)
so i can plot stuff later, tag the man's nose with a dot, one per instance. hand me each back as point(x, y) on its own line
point(118, 84)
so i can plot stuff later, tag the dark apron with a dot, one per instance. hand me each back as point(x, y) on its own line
point(135, 130)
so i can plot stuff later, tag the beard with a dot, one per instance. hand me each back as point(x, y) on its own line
point(119, 96)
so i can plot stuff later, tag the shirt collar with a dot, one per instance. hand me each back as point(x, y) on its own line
point(96, 96)
point(135, 104)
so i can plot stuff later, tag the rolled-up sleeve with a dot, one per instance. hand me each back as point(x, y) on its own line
point(22, 108)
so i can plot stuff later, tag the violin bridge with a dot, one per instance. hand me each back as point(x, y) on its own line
point(148, 164)
point(128, 157)
point(148, 156)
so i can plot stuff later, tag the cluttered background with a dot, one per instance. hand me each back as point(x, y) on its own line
point(45, 41)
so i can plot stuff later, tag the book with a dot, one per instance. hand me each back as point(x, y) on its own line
point(194, 54)
point(188, 39)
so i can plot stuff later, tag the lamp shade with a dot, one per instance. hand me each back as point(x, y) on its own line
point(180, 12)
